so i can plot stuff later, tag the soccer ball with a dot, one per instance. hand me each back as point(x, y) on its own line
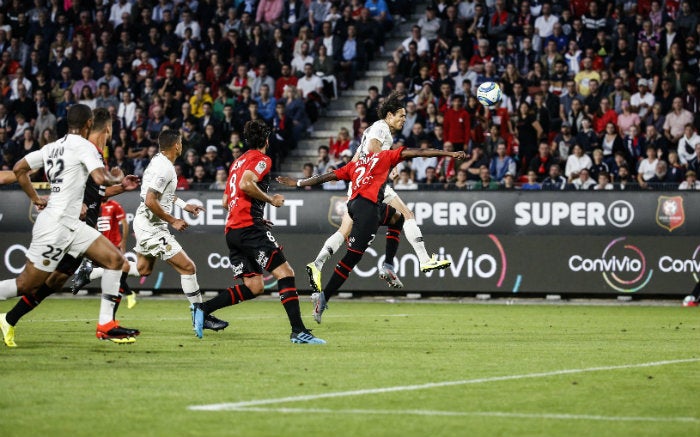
point(489, 94)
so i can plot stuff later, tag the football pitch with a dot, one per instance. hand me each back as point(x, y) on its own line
point(389, 369)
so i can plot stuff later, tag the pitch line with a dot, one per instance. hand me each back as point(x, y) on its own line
point(249, 317)
point(433, 413)
point(232, 406)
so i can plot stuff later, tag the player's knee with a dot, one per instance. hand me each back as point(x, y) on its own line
point(114, 261)
point(126, 266)
point(283, 271)
point(25, 287)
point(257, 289)
point(189, 268)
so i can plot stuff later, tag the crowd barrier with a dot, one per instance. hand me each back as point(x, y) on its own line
point(641, 243)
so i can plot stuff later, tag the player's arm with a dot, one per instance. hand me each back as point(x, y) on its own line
point(7, 177)
point(102, 177)
point(429, 153)
point(189, 207)
point(125, 234)
point(224, 201)
point(152, 202)
point(22, 169)
point(129, 183)
point(249, 185)
point(313, 180)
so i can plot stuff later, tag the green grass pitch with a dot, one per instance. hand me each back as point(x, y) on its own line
point(403, 369)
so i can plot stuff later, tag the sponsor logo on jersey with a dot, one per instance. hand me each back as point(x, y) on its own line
point(262, 165)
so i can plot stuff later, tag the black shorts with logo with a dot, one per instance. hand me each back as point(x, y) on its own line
point(253, 250)
point(367, 216)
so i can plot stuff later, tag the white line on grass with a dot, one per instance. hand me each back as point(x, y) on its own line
point(471, 413)
point(241, 405)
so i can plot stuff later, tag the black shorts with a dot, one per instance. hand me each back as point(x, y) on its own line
point(253, 250)
point(69, 264)
point(367, 216)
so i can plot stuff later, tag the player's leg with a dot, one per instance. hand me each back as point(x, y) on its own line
point(330, 246)
point(415, 237)
point(188, 281)
point(365, 215)
point(283, 272)
point(53, 283)
point(87, 273)
point(103, 252)
point(394, 222)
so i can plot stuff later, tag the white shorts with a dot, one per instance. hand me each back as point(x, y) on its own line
point(153, 241)
point(51, 241)
point(389, 194)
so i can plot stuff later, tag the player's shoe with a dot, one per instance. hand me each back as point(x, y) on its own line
point(690, 301)
point(305, 337)
point(131, 300)
point(314, 277)
point(117, 334)
point(213, 323)
point(82, 276)
point(434, 264)
point(197, 319)
point(8, 332)
point(387, 273)
point(318, 300)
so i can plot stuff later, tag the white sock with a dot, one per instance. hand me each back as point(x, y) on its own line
point(133, 270)
point(330, 246)
point(110, 292)
point(191, 288)
point(96, 273)
point(8, 288)
point(415, 237)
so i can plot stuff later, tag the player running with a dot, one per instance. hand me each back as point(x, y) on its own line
point(252, 246)
point(59, 237)
point(154, 214)
point(367, 175)
point(378, 137)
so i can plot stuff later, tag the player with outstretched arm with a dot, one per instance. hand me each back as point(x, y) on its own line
point(366, 176)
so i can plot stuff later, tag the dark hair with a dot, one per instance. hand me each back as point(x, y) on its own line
point(78, 116)
point(256, 133)
point(168, 138)
point(101, 118)
point(391, 105)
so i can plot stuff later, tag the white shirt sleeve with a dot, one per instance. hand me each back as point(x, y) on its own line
point(91, 158)
point(35, 159)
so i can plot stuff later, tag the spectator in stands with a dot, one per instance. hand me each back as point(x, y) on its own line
point(554, 181)
point(543, 161)
point(340, 143)
point(577, 161)
point(501, 164)
point(604, 182)
point(485, 182)
point(475, 160)
point(295, 111)
point(647, 167)
point(352, 59)
point(528, 131)
point(422, 44)
point(687, 143)
point(642, 101)
point(676, 120)
point(457, 124)
point(45, 120)
point(310, 83)
point(308, 170)
point(266, 103)
point(220, 181)
point(446, 168)
point(302, 58)
point(583, 181)
point(691, 182)
point(675, 172)
point(404, 181)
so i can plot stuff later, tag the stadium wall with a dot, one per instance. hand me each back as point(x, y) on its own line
point(503, 242)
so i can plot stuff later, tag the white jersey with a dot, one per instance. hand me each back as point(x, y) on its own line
point(378, 131)
point(159, 176)
point(67, 163)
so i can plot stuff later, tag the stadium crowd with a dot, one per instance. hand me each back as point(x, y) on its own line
point(596, 94)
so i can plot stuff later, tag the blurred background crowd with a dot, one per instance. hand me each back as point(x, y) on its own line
point(596, 94)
